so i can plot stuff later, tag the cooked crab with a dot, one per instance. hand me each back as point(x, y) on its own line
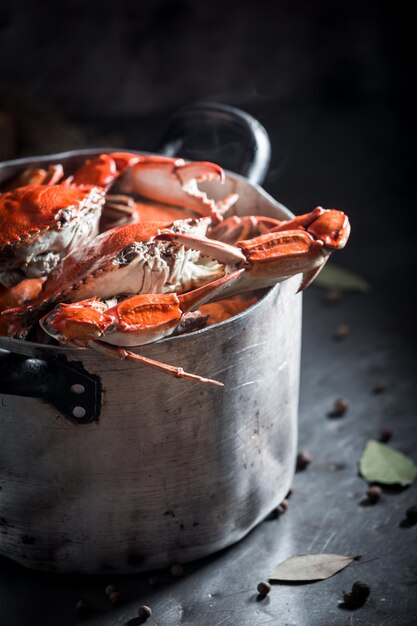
point(123, 261)
point(148, 317)
point(40, 224)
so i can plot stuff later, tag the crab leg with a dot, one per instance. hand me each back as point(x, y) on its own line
point(36, 176)
point(133, 322)
point(176, 372)
point(174, 182)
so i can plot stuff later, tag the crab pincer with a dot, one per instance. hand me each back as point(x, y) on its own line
point(174, 182)
point(157, 180)
point(301, 245)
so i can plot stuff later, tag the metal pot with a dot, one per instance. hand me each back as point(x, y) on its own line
point(106, 466)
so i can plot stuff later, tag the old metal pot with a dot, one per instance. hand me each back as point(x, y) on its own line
point(106, 466)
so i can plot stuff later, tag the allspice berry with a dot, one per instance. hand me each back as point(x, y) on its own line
point(411, 514)
point(379, 388)
point(283, 506)
point(177, 569)
point(374, 494)
point(341, 332)
point(111, 589)
point(153, 580)
point(385, 435)
point(303, 460)
point(144, 612)
point(264, 588)
point(357, 596)
point(332, 296)
point(82, 606)
point(115, 597)
point(339, 408)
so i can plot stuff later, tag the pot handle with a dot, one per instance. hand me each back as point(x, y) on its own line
point(224, 132)
point(66, 385)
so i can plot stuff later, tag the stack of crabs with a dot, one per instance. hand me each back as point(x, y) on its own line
point(88, 281)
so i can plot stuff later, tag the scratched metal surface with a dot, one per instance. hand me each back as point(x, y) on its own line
point(325, 513)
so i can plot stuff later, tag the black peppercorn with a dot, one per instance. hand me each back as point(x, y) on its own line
point(153, 580)
point(283, 506)
point(332, 296)
point(340, 407)
point(374, 494)
point(115, 597)
point(341, 332)
point(385, 435)
point(379, 388)
point(411, 514)
point(357, 596)
point(264, 588)
point(144, 612)
point(82, 606)
point(177, 569)
point(110, 589)
point(303, 460)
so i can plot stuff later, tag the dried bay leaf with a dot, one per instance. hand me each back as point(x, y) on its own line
point(381, 464)
point(310, 567)
point(335, 277)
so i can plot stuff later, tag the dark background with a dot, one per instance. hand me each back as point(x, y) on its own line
point(332, 83)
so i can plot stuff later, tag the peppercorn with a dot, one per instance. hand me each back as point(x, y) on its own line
point(144, 612)
point(153, 580)
point(378, 388)
point(264, 588)
point(177, 569)
point(82, 606)
point(385, 435)
point(283, 506)
point(374, 494)
point(339, 409)
point(115, 597)
point(303, 460)
point(357, 596)
point(411, 514)
point(111, 589)
point(332, 296)
point(341, 332)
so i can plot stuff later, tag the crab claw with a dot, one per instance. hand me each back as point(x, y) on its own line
point(18, 294)
point(104, 169)
point(301, 245)
point(133, 322)
point(174, 182)
point(330, 226)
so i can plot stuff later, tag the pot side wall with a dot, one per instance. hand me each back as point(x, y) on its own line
point(173, 470)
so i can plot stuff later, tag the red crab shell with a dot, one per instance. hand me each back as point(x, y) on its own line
point(39, 219)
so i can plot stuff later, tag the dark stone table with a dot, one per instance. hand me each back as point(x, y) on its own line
point(352, 159)
point(326, 511)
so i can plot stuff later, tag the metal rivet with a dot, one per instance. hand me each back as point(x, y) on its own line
point(79, 411)
point(77, 388)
